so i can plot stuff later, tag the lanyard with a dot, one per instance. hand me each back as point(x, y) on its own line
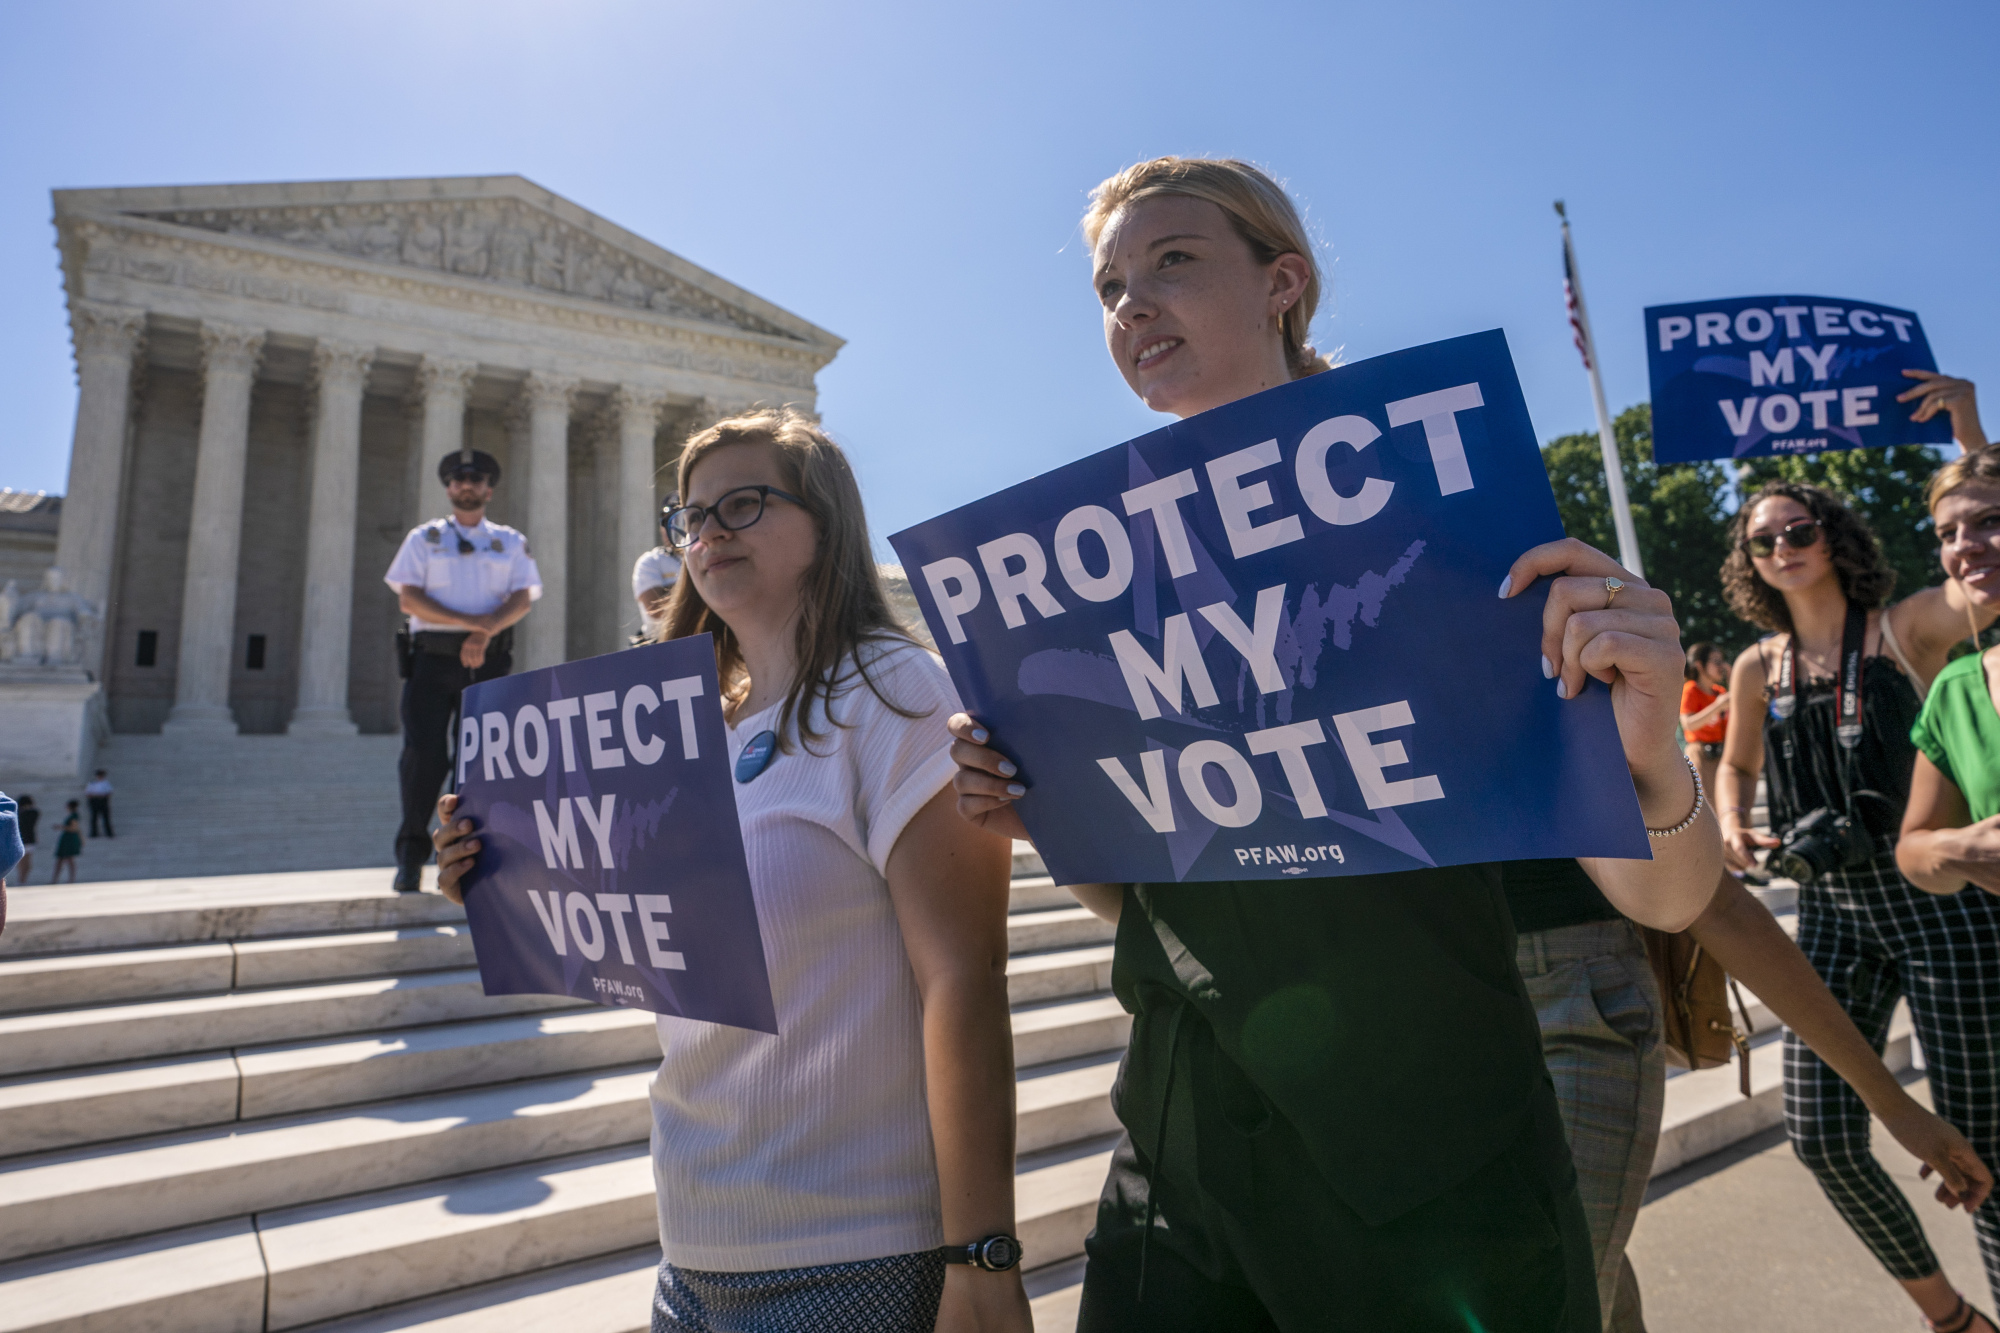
point(1846, 686)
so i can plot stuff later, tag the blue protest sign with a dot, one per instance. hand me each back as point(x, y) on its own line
point(1265, 641)
point(611, 866)
point(1761, 375)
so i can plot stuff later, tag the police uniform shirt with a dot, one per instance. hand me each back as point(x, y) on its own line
point(657, 568)
point(475, 582)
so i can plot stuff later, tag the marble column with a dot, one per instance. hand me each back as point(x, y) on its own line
point(441, 386)
point(230, 354)
point(546, 630)
point(340, 372)
point(107, 339)
point(636, 500)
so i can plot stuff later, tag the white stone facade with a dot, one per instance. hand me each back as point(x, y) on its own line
point(268, 375)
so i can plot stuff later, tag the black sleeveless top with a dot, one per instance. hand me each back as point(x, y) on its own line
point(1381, 1015)
point(1805, 768)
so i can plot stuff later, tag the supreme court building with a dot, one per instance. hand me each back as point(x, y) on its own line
point(268, 375)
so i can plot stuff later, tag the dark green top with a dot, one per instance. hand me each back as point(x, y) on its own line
point(1960, 733)
point(1548, 895)
point(1381, 1015)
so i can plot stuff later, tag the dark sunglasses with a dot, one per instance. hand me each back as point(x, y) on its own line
point(733, 512)
point(1797, 535)
point(465, 474)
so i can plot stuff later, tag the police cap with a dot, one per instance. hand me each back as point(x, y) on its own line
point(477, 459)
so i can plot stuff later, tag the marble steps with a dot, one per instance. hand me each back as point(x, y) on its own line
point(1055, 1197)
point(1050, 1030)
point(1055, 1295)
point(87, 1195)
point(70, 1108)
point(75, 979)
point(1064, 1101)
point(140, 914)
point(1056, 928)
point(148, 1029)
point(1033, 893)
point(370, 1252)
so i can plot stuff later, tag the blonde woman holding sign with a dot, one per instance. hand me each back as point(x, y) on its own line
point(855, 1172)
point(1338, 1115)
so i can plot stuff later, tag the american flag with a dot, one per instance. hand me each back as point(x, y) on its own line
point(1570, 285)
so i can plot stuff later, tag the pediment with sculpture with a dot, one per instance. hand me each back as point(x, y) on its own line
point(501, 240)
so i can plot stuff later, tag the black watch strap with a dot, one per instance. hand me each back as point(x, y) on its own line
point(996, 1253)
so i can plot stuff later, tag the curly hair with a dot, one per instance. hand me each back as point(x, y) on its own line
point(1865, 577)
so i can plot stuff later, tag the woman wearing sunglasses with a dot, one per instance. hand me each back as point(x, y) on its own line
point(855, 1172)
point(1337, 1112)
point(1841, 679)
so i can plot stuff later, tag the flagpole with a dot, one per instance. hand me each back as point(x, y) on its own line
point(1614, 471)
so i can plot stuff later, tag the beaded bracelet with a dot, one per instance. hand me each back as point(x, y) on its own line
point(1699, 797)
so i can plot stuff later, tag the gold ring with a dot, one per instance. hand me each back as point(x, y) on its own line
point(1612, 587)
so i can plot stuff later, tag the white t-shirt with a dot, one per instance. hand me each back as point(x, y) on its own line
point(475, 581)
point(814, 1146)
point(657, 568)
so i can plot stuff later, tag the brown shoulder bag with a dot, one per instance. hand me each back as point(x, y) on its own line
point(1695, 1020)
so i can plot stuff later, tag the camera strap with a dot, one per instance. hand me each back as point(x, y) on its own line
point(1846, 686)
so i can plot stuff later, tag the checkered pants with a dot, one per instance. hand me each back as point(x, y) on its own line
point(1873, 937)
point(898, 1294)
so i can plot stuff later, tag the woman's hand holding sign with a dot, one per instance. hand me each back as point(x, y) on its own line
point(1603, 622)
point(987, 781)
point(1937, 393)
point(457, 849)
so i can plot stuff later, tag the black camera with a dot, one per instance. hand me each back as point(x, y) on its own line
point(1819, 842)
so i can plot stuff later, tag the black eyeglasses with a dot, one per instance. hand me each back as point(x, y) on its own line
point(1797, 535)
point(733, 512)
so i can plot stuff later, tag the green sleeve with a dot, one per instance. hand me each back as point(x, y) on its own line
point(1924, 732)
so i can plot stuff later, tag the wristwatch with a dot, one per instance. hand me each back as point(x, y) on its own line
point(996, 1253)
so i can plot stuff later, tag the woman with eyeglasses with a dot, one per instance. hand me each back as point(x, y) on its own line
point(854, 1172)
point(1842, 678)
point(1338, 1115)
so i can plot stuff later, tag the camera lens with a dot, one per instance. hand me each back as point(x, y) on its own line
point(1791, 865)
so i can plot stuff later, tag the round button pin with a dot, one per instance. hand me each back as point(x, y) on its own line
point(756, 756)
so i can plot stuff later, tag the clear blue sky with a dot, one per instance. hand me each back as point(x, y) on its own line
point(910, 176)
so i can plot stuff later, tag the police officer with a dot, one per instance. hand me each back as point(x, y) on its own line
point(654, 574)
point(463, 582)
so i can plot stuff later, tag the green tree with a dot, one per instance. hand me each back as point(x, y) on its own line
point(1678, 511)
point(1884, 486)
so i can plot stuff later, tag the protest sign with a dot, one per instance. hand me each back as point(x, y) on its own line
point(1265, 641)
point(1762, 375)
point(611, 866)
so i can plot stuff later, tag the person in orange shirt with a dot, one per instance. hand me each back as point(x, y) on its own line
point(1705, 709)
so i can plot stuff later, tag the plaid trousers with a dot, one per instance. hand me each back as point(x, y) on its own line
point(1599, 1009)
point(1874, 937)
